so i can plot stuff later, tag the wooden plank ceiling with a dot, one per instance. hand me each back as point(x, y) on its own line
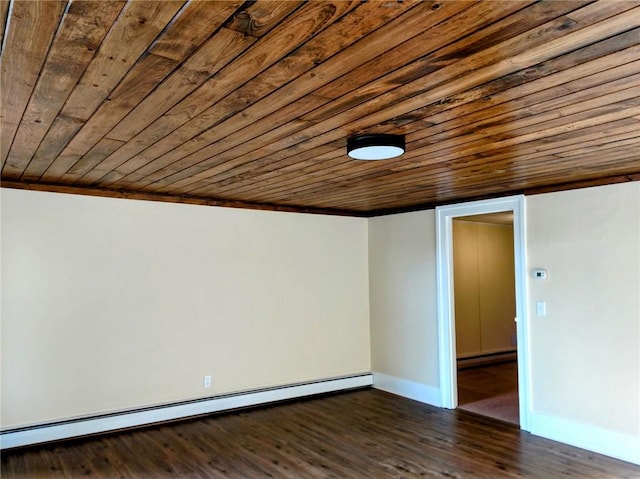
point(249, 104)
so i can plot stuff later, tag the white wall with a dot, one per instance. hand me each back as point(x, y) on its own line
point(110, 304)
point(402, 278)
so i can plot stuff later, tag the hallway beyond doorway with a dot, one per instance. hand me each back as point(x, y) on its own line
point(490, 390)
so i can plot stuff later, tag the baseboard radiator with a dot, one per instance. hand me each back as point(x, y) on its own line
point(489, 358)
point(25, 436)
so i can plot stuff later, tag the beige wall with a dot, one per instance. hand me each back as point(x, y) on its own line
point(110, 304)
point(484, 288)
point(402, 275)
point(585, 353)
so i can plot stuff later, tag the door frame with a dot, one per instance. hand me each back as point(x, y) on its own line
point(446, 319)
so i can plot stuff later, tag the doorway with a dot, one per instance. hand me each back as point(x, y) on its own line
point(446, 305)
point(484, 312)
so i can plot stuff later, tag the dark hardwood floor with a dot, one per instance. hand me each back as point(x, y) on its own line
point(361, 434)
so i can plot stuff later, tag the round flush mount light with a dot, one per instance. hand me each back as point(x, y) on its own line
point(375, 147)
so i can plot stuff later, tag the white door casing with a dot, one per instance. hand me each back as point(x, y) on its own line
point(446, 319)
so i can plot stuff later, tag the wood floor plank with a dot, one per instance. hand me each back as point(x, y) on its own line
point(365, 433)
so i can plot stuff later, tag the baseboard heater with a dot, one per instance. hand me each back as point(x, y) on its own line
point(482, 359)
point(24, 436)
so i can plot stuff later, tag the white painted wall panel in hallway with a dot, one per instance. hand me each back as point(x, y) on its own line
point(484, 288)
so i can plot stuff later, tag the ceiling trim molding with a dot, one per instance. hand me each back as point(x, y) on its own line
point(224, 203)
point(189, 200)
point(610, 180)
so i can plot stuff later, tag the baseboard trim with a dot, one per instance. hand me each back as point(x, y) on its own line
point(585, 436)
point(406, 388)
point(36, 434)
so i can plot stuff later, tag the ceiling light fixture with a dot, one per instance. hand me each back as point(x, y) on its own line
point(375, 147)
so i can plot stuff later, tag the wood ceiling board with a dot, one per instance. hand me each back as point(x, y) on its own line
point(278, 146)
point(411, 165)
point(527, 154)
point(549, 168)
point(138, 24)
point(226, 45)
point(187, 31)
point(410, 177)
point(306, 21)
point(300, 60)
point(147, 73)
point(624, 70)
point(250, 103)
point(4, 12)
point(322, 46)
point(203, 158)
point(597, 116)
point(81, 31)
point(22, 58)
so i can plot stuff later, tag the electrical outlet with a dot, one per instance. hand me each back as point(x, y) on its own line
point(206, 382)
point(541, 308)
